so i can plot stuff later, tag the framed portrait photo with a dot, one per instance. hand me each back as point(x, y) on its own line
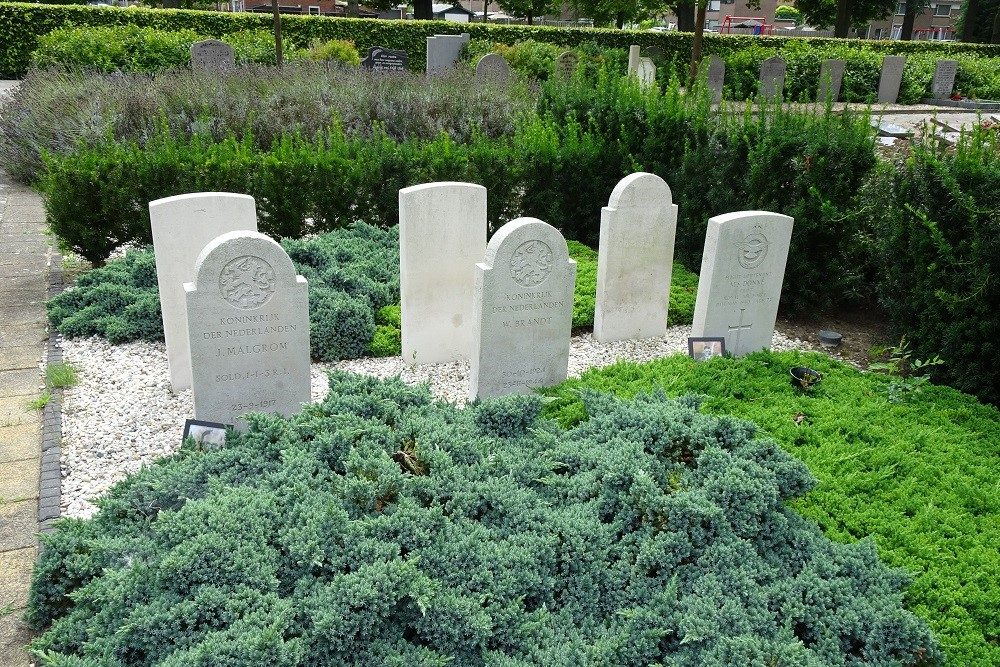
point(703, 349)
point(211, 435)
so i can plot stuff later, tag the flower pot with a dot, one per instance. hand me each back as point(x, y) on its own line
point(805, 378)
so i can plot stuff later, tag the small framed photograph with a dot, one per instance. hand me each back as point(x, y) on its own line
point(210, 435)
point(703, 349)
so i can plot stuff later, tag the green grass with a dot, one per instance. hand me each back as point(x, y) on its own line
point(60, 376)
point(41, 401)
point(919, 476)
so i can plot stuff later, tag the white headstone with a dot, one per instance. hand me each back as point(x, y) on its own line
point(443, 52)
point(831, 76)
point(716, 77)
point(891, 78)
point(212, 54)
point(523, 310)
point(635, 260)
point(248, 322)
point(772, 78)
point(633, 60)
point(442, 234)
point(493, 67)
point(647, 72)
point(944, 79)
point(742, 271)
point(182, 227)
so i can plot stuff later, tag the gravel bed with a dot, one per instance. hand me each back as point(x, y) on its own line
point(122, 415)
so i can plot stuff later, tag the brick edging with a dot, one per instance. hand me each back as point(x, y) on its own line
point(50, 475)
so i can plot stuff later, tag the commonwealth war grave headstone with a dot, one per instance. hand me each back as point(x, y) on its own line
point(442, 235)
point(523, 310)
point(635, 259)
point(742, 270)
point(443, 52)
point(248, 323)
point(211, 54)
point(382, 60)
point(831, 76)
point(182, 226)
point(772, 78)
point(891, 78)
point(646, 72)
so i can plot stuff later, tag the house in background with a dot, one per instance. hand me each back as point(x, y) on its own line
point(936, 22)
point(448, 12)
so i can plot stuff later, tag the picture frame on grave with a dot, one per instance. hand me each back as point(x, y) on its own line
point(703, 348)
point(210, 435)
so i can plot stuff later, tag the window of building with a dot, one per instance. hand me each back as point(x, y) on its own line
point(942, 10)
point(713, 5)
point(897, 32)
point(900, 8)
point(712, 25)
point(313, 9)
point(878, 33)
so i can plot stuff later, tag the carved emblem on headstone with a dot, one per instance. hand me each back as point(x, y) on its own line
point(753, 249)
point(247, 282)
point(531, 263)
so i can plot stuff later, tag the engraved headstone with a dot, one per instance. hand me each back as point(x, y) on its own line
point(716, 77)
point(831, 76)
point(523, 310)
point(772, 78)
point(492, 67)
point(656, 54)
point(944, 79)
point(566, 64)
point(443, 52)
point(891, 78)
point(635, 259)
point(646, 72)
point(212, 54)
point(633, 60)
point(442, 234)
point(742, 270)
point(248, 323)
point(380, 60)
point(182, 226)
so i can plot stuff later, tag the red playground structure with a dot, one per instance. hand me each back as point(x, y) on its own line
point(753, 25)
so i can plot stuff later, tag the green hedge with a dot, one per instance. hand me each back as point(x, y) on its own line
point(381, 528)
point(21, 24)
point(918, 476)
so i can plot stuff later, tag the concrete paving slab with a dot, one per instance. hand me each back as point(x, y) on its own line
point(19, 441)
point(14, 411)
point(19, 480)
point(19, 357)
point(21, 383)
point(14, 636)
point(14, 589)
point(18, 525)
point(24, 334)
point(32, 213)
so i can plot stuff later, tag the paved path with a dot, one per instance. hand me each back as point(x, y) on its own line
point(24, 277)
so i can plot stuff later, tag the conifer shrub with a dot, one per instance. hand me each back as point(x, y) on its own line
point(381, 528)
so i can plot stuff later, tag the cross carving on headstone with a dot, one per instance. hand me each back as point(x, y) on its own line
point(738, 328)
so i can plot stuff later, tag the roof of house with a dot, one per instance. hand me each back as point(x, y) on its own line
point(448, 8)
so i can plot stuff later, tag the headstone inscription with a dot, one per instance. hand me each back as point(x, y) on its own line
point(891, 78)
point(944, 79)
point(443, 52)
point(383, 60)
point(523, 310)
point(647, 72)
point(248, 323)
point(182, 226)
point(442, 234)
point(492, 67)
point(566, 64)
point(212, 54)
point(635, 259)
point(772, 78)
point(742, 270)
point(716, 77)
point(831, 76)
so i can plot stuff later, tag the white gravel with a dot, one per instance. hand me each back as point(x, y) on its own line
point(122, 415)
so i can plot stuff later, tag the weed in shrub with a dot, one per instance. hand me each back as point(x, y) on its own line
point(379, 527)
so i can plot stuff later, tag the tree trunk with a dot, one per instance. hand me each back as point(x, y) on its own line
point(486, 4)
point(843, 23)
point(278, 52)
point(969, 21)
point(909, 14)
point(699, 37)
point(422, 9)
point(685, 17)
point(995, 37)
point(531, 19)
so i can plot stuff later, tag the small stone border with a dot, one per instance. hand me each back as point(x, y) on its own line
point(50, 474)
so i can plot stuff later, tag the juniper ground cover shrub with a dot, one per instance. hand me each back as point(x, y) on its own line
point(917, 476)
point(381, 528)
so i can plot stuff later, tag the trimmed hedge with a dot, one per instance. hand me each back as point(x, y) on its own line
point(381, 528)
point(21, 24)
point(917, 476)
